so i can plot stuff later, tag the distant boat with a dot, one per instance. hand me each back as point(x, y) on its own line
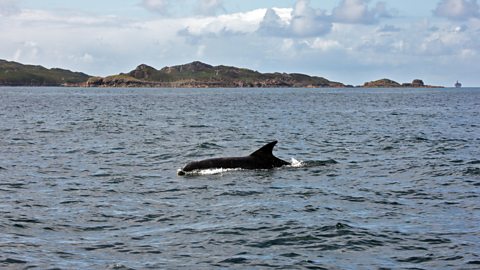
point(458, 85)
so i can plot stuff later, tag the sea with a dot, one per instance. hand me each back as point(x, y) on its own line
point(381, 179)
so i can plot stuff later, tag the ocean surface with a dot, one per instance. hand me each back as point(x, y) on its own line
point(384, 179)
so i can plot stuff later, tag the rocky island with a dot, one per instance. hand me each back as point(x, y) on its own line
point(201, 75)
point(387, 83)
point(192, 75)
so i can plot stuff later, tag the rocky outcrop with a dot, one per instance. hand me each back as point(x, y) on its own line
point(383, 83)
point(142, 72)
point(117, 81)
point(387, 83)
point(415, 83)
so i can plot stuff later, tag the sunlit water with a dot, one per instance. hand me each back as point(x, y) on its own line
point(385, 178)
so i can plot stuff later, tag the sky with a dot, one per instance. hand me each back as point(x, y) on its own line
point(351, 41)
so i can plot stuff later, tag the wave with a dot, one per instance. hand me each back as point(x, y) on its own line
point(313, 163)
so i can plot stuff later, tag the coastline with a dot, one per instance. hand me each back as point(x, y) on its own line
point(192, 75)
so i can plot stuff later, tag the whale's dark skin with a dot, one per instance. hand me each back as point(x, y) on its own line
point(263, 158)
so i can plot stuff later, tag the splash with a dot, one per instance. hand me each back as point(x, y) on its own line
point(311, 163)
point(296, 163)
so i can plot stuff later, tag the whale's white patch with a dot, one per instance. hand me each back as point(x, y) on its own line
point(208, 171)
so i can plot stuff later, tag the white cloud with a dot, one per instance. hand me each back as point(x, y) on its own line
point(433, 45)
point(210, 7)
point(458, 9)
point(307, 21)
point(272, 24)
point(389, 28)
point(382, 11)
point(304, 21)
point(228, 24)
point(28, 50)
point(159, 6)
point(97, 45)
point(357, 11)
point(8, 7)
point(352, 11)
point(67, 19)
point(324, 44)
point(184, 8)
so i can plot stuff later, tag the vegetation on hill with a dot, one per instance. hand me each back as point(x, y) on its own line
point(198, 74)
point(16, 74)
point(195, 74)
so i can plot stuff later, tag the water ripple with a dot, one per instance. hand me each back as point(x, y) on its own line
point(383, 179)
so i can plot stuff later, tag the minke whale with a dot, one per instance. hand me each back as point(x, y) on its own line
point(263, 158)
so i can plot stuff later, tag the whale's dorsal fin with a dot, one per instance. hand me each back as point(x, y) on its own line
point(265, 151)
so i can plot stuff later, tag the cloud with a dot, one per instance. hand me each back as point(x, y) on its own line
point(353, 48)
point(357, 12)
point(389, 29)
point(460, 10)
point(158, 6)
point(220, 26)
point(8, 7)
point(304, 21)
point(32, 18)
point(209, 7)
point(272, 24)
point(98, 45)
point(461, 28)
point(184, 8)
point(28, 49)
point(307, 21)
point(324, 44)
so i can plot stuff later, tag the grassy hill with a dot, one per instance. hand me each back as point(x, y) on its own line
point(198, 74)
point(16, 74)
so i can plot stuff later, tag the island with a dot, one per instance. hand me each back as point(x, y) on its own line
point(16, 74)
point(201, 75)
point(387, 83)
point(192, 75)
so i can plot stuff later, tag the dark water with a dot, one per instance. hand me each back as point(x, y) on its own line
point(390, 179)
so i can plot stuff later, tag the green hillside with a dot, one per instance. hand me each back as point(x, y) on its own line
point(16, 74)
point(198, 74)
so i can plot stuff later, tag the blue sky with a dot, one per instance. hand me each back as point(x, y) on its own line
point(352, 41)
